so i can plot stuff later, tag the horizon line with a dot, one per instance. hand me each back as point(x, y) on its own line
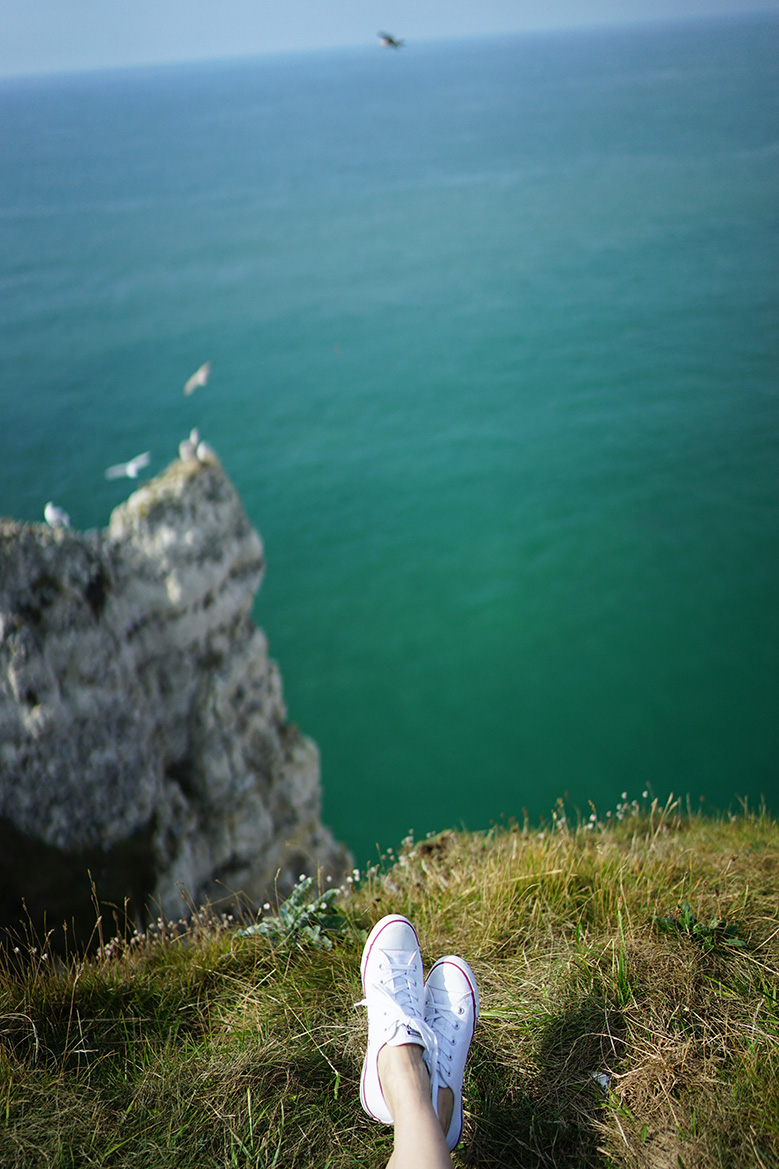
point(593, 26)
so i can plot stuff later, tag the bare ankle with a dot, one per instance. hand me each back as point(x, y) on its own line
point(445, 1107)
point(403, 1076)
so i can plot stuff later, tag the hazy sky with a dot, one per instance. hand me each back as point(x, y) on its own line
point(39, 36)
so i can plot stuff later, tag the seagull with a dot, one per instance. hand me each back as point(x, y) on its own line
point(129, 469)
point(55, 517)
point(188, 446)
point(205, 453)
point(388, 41)
point(199, 378)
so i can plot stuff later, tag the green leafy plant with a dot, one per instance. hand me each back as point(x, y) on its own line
point(303, 918)
point(715, 932)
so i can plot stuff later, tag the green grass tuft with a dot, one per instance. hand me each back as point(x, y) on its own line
point(629, 976)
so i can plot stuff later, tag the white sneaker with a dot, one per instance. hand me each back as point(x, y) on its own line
point(451, 1011)
point(393, 984)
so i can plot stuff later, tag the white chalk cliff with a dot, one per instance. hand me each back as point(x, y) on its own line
point(143, 732)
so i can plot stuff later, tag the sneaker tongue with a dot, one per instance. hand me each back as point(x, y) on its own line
point(400, 972)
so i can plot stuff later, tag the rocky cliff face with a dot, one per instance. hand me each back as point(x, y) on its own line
point(143, 734)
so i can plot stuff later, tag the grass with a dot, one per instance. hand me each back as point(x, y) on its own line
point(628, 972)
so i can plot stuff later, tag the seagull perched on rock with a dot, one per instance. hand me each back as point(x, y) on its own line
point(205, 453)
point(188, 446)
point(388, 41)
point(55, 517)
point(130, 469)
point(199, 378)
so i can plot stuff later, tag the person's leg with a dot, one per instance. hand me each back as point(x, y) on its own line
point(415, 1030)
point(451, 1011)
point(419, 1141)
point(402, 1049)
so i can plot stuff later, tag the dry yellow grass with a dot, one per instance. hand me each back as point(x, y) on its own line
point(628, 974)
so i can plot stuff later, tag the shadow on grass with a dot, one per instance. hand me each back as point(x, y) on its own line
point(545, 1114)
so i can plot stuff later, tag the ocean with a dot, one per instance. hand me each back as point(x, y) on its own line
point(495, 371)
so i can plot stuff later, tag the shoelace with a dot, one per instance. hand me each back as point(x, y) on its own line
point(396, 988)
point(446, 1022)
point(395, 981)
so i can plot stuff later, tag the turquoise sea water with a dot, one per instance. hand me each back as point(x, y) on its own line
point(493, 327)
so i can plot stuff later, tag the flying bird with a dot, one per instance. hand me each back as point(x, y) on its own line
point(388, 41)
point(130, 469)
point(55, 517)
point(199, 378)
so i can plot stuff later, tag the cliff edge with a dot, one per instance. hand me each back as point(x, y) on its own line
point(144, 742)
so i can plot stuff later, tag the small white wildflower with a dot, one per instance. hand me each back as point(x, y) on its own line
point(645, 795)
point(624, 796)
